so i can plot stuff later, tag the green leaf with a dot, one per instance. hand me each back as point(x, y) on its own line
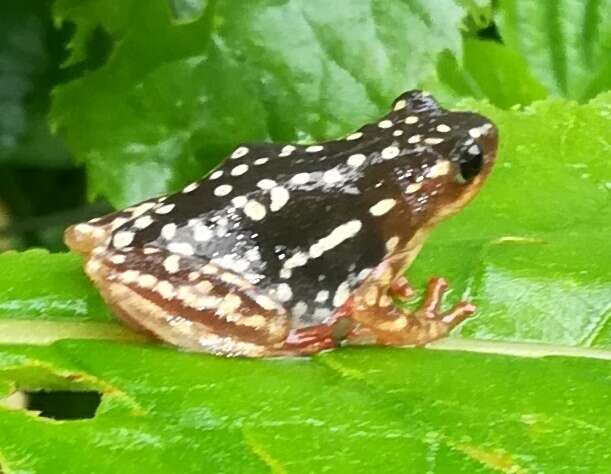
point(174, 97)
point(488, 70)
point(36, 284)
point(567, 44)
point(378, 410)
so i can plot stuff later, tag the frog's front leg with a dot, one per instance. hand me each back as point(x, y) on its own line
point(380, 322)
point(188, 301)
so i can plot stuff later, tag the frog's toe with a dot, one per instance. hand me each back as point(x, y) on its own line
point(430, 308)
point(457, 314)
point(400, 288)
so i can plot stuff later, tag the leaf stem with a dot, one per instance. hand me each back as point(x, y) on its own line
point(520, 349)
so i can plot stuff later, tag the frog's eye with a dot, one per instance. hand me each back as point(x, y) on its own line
point(470, 163)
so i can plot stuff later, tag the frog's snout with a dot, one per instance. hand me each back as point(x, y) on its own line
point(83, 238)
point(486, 135)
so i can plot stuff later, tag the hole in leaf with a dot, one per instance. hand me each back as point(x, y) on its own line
point(490, 32)
point(187, 10)
point(64, 404)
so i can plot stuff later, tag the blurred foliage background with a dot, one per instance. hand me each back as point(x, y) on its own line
point(78, 68)
point(41, 188)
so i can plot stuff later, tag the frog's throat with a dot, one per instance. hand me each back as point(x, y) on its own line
point(410, 250)
point(456, 204)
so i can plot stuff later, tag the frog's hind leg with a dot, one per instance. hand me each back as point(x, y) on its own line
point(188, 301)
point(380, 322)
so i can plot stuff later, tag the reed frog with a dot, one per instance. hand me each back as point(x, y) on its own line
point(288, 249)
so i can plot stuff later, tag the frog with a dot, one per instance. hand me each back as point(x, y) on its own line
point(289, 249)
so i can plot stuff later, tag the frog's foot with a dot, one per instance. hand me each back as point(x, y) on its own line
point(305, 341)
point(188, 302)
point(400, 288)
point(381, 323)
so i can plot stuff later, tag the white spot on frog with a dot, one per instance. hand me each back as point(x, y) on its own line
point(165, 209)
point(255, 210)
point(229, 304)
point(322, 296)
point(165, 289)
point(239, 170)
point(287, 150)
point(168, 231)
point(382, 207)
point(390, 152)
point(202, 233)
point(474, 150)
point(190, 187)
point(129, 276)
point(341, 295)
point(223, 190)
point(440, 168)
point(239, 201)
point(300, 178)
point(118, 259)
point(297, 260)
point(181, 248)
point(142, 208)
point(475, 132)
point(266, 302)
point(279, 197)
point(239, 152)
point(216, 174)
point(143, 222)
point(401, 104)
point(391, 243)
point(284, 292)
point(354, 136)
point(332, 176)
point(336, 237)
point(356, 160)
point(412, 188)
point(118, 222)
point(300, 309)
point(266, 184)
point(122, 239)
point(146, 281)
point(314, 148)
point(172, 264)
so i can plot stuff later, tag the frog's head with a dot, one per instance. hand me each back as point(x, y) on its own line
point(448, 155)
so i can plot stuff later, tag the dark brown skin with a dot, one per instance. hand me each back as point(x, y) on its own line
point(290, 249)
